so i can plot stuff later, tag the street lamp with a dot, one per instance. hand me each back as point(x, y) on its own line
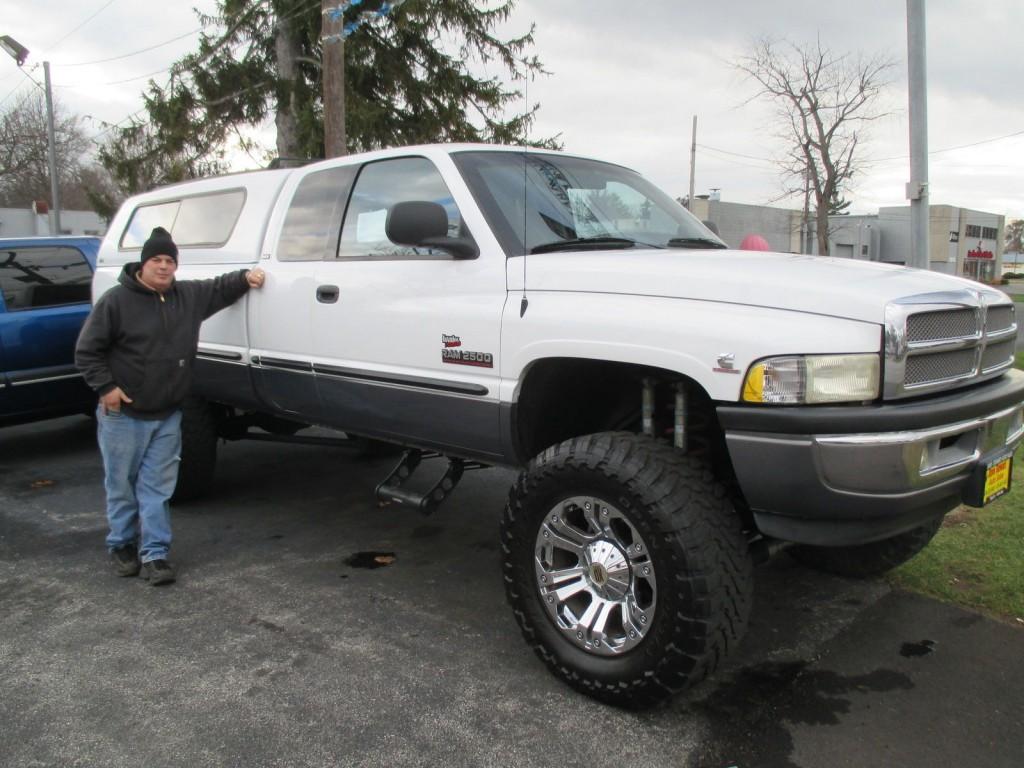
point(19, 53)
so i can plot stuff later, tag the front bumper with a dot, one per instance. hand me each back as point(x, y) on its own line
point(849, 475)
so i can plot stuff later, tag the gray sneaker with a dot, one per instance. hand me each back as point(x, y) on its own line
point(125, 560)
point(158, 572)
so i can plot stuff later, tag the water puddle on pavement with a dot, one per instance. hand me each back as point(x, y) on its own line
point(916, 650)
point(750, 715)
point(369, 559)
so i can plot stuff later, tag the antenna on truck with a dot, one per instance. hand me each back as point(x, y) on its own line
point(524, 303)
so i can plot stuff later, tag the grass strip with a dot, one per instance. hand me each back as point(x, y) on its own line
point(977, 558)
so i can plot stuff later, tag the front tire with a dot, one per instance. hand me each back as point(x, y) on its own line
point(626, 567)
point(866, 560)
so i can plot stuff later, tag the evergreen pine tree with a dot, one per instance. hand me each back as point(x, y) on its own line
point(409, 79)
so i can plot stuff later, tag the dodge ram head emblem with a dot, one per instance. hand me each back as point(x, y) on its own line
point(726, 363)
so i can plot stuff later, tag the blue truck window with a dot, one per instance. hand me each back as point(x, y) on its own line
point(43, 277)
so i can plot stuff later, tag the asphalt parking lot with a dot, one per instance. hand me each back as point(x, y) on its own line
point(275, 649)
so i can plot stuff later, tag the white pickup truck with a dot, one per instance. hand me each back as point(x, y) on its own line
point(672, 405)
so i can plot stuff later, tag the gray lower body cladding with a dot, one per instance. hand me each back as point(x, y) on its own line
point(849, 475)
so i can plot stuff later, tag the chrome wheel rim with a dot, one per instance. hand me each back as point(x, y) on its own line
point(595, 576)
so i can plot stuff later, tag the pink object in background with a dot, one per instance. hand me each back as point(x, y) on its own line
point(754, 243)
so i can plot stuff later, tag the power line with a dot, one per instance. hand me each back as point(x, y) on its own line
point(69, 34)
point(116, 82)
point(19, 85)
point(112, 126)
point(953, 149)
point(881, 159)
point(299, 12)
point(133, 53)
point(10, 93)
point(736, 154)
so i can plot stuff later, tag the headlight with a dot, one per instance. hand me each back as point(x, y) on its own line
point(809, 379)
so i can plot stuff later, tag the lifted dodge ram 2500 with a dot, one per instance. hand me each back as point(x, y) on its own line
point(671, 404)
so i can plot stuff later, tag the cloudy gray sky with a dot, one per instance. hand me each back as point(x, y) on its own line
point(627, 77)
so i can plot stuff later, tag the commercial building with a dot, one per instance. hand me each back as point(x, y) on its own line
point(961, 241)
point(27, 222)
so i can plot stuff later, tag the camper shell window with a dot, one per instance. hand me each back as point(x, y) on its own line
point(194, 222)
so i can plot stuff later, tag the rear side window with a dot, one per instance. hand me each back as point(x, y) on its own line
point(44, 277)
point(313, 222)
point(380, 185)
point(200, 220)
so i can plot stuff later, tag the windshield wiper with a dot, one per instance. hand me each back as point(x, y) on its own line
point(694, 242)
point(604, 241)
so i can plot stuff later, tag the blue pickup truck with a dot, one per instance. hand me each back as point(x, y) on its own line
point(45, 285)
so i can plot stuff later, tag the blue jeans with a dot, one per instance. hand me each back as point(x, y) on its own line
point(140, 466)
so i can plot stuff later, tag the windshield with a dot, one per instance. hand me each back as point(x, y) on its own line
point(574, 204)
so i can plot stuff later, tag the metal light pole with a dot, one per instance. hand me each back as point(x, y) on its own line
point(52, 151)
point(19, 53)
point(917, 85)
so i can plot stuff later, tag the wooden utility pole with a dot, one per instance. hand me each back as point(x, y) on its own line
point(333, 75)
point(286, 46)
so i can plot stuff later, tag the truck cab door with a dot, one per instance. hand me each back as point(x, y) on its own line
point(301, 234)
point(406, 339)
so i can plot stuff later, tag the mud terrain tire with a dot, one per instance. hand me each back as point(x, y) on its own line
point(616, 493)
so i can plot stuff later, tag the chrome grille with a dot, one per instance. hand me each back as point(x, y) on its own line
point(939, 341)
point(997, 354)
point(936, 326)
point(940, 366)
point(999, 319)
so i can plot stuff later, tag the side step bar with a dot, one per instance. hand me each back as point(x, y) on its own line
point(391, 490)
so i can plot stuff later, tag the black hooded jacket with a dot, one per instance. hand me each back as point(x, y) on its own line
point(145, 342)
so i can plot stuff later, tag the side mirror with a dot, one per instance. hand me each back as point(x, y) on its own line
point(424, 224)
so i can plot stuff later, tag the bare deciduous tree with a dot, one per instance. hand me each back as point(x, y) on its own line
point(824, 101)
point(24, 162)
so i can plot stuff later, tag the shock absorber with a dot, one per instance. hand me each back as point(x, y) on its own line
point(648, 407)
point(679, 436)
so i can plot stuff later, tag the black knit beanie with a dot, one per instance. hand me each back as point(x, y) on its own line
point(159, 244)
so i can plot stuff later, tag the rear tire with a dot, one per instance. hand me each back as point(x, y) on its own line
point(199, 421)
point(626, 567)
point(866, 560)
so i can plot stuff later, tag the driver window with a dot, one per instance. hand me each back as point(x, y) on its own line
point(381, 185)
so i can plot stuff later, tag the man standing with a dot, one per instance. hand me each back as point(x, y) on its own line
point(136, 351)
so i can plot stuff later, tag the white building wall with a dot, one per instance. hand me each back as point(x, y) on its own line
point(779, 226)
point(22, 222)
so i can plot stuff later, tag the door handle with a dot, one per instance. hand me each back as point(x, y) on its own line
point(327, 294)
